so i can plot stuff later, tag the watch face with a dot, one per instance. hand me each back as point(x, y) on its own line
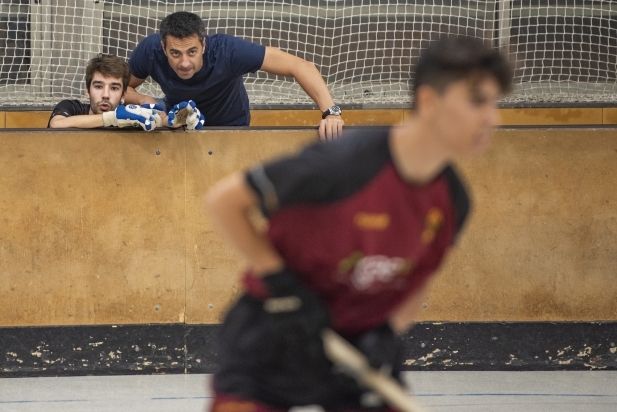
point(335, 110)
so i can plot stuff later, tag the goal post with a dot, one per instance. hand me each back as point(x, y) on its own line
point(564, 51)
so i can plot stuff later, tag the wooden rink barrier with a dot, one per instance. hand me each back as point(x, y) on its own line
point(107, 227)
point(534, 116)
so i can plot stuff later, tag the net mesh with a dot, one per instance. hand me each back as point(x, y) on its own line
point(564, 51)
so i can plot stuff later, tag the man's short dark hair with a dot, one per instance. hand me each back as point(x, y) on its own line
point(454, 58)
point(109, 66)
point(182, 24)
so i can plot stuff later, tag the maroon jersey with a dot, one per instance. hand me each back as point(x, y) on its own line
point(353, 229)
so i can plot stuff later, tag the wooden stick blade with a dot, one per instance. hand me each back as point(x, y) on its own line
point(344, 354)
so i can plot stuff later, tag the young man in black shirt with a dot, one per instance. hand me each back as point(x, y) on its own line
point(107, 78)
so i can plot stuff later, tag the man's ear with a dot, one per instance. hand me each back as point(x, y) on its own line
point(426, 99)
point(88, 94)
point(163, 47)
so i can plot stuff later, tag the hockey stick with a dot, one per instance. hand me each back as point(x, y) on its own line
point(344, 354)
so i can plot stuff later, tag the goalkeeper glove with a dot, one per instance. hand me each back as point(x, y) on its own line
point(132, 115)
point(186, 113)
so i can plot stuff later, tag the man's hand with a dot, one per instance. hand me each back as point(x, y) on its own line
point(331, 127)
point(381, 346)
point(158, 110)
point(185, 113)
point(131, 115)
point(292, 306)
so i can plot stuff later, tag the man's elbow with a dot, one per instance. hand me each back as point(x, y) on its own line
point(229, 193)
point(56, 122)
point(306, 66)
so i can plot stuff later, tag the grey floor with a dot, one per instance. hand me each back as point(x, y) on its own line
point(439, 391)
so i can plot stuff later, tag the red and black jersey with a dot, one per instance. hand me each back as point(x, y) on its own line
point(353, 229)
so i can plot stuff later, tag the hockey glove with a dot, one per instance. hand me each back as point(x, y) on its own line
point(132, 115)
point(156, 108)
point(292, 306)
point(186, 114)
point(381, 346)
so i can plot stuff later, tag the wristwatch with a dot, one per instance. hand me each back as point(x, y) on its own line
point(335, 110)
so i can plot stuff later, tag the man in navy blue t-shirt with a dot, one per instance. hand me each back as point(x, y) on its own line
point(188, 65)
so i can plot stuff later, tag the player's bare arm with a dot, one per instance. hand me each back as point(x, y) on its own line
point(308, 77)
point(406, 314)
point(133, 97)
point(85, 121)
point(230, 203)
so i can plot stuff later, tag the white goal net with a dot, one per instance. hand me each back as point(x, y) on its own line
point(564, 51)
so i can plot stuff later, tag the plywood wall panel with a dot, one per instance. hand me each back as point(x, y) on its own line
point(212, 268)
point(351, 117)
point(542, 240)
point(551, 116)
point(98, 228)
point(27, 120)
point(92, 228)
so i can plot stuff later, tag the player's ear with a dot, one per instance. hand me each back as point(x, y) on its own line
point(163, 47)
point(426, 99)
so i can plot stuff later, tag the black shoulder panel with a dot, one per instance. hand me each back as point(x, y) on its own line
point(460, 198)
point(322, 172)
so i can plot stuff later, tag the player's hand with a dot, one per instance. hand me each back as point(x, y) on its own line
point(331, 127)
point(186, 114)
point(292, 306)
point(159, 112)
point(381, 346)
point(132, 116)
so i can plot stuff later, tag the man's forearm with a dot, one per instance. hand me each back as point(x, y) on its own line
point(133, 97)
point(309, 78)
point(229, 203)
point(85, 121)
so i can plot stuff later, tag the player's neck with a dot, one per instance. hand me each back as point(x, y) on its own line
point(417, 153)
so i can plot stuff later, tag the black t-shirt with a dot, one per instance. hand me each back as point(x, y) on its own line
point(69, 108)
point(353, 229)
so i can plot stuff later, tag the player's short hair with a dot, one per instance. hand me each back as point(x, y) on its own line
point(109, 66)
point(182, 24)
point(454, 58)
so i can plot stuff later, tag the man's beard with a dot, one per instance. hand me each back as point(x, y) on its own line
point(96, 109)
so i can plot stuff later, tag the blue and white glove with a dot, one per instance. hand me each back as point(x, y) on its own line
point(186, 113)
point(157, 109)
point(132, 115)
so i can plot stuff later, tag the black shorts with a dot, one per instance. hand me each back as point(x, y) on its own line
point(282, 370)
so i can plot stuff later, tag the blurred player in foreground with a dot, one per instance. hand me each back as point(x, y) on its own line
point(188, 64)
point(356, 227)
point(107, 78)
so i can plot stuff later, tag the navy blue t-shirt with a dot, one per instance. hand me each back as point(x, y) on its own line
point(217, 89)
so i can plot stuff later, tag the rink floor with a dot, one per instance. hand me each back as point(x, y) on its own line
point(440, 391)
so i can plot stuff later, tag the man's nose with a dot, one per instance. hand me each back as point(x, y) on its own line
point(185, 62)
